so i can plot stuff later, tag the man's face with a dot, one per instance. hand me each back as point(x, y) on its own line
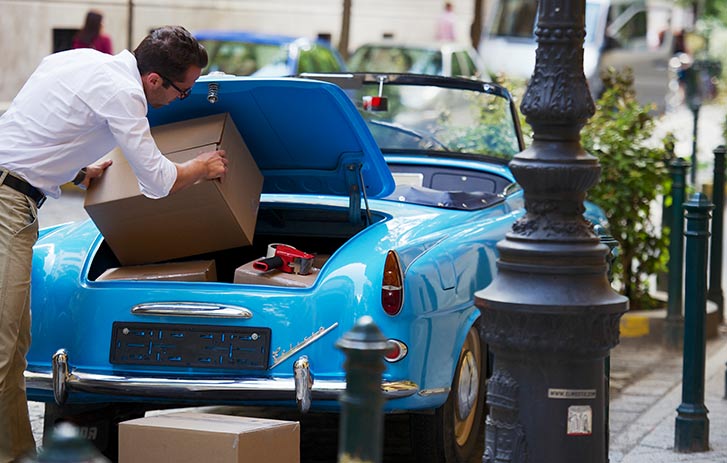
point(161, 91)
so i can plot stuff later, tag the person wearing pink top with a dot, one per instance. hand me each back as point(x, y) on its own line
point(90, 36)
point(445, 24)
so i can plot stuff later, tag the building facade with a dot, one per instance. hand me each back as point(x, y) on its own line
point(32, 29)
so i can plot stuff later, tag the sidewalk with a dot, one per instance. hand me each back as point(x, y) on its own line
point(646, 378)
point(645, 393)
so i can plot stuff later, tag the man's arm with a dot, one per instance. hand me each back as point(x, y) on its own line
point(206, 166)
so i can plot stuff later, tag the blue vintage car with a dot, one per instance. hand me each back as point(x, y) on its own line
point(245, 53)
point(398, 184)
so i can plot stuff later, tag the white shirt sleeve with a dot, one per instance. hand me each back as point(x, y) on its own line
point(125, 114)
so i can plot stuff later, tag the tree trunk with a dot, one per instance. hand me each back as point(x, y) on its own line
point(476, 27)
point(345, 28)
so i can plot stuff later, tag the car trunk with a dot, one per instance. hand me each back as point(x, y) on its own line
point(311, 229)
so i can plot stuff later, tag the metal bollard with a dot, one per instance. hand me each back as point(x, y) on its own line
point(674, 325)
point(65, 445)
point(667, 211)
point(714, 293)
point(690, 76)
point(692, 425)
point(361, 429)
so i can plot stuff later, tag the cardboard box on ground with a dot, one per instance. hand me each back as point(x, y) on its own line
point(203, 437)
point(209, 216)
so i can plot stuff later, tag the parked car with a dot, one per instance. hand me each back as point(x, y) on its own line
point(439, 59)
point(619, 34)
point(256, 54)
point(401, 202)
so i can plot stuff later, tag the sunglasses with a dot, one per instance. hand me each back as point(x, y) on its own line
point(182, 93)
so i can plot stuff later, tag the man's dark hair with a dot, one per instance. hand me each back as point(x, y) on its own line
point(170, 51)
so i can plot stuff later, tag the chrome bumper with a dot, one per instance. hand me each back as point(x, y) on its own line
point(63, 381)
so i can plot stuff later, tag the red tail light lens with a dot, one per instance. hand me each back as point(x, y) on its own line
point(392, 286)
point(396, 352)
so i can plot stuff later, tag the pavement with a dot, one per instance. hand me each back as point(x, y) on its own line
point(646, 376)
point(646, 389)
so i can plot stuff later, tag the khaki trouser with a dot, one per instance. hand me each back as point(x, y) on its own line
point(18, 233)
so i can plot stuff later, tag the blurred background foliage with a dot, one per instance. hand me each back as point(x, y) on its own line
point(634, 177)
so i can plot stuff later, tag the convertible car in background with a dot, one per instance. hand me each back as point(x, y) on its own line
point(396, 184)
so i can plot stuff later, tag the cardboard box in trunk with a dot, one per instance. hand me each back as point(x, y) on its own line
point(200, 270)
point(202, 437)
point(246, 274)
point(209, 216)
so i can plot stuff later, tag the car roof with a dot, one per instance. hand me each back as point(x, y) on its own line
point(306, 136)
point(253, 37)
point(417, 45)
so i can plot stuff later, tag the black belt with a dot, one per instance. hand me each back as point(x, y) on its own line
point(20, 185)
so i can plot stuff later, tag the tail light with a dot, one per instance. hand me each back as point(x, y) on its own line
point(392, 286)
point(397, 351)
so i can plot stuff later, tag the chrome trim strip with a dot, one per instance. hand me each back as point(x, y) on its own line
point(279, 358)
point(191, 309)
point(213, 390)
point(435, 391)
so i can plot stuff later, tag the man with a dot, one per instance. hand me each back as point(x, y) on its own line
point(76, 107)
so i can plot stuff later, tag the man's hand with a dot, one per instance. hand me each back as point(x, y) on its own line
point(215, 164)
point(206, 166)
point(95, 170)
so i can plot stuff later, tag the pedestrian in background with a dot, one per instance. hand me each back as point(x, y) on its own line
point(446, 23)
point(91, 35)
point(76, 107)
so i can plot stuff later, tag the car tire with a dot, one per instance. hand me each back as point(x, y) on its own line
point(97, 423)
point(455, 432)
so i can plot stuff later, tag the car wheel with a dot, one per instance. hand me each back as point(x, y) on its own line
point(455, 433)
point(98, 423)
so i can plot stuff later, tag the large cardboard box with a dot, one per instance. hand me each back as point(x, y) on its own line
point(190, 437)
point(208, 216)
point(199, 270)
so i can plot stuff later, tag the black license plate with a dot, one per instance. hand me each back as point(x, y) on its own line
point(157, 344)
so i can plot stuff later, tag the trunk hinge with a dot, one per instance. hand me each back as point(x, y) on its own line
point(356, 191)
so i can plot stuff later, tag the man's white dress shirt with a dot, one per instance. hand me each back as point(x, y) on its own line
point(76, 107)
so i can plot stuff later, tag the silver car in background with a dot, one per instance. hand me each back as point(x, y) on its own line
point(437, 58)
point(619, 34)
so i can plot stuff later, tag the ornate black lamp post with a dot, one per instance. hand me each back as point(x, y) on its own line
point(550, 315)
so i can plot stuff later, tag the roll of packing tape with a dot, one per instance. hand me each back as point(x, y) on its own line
point(272, 246)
